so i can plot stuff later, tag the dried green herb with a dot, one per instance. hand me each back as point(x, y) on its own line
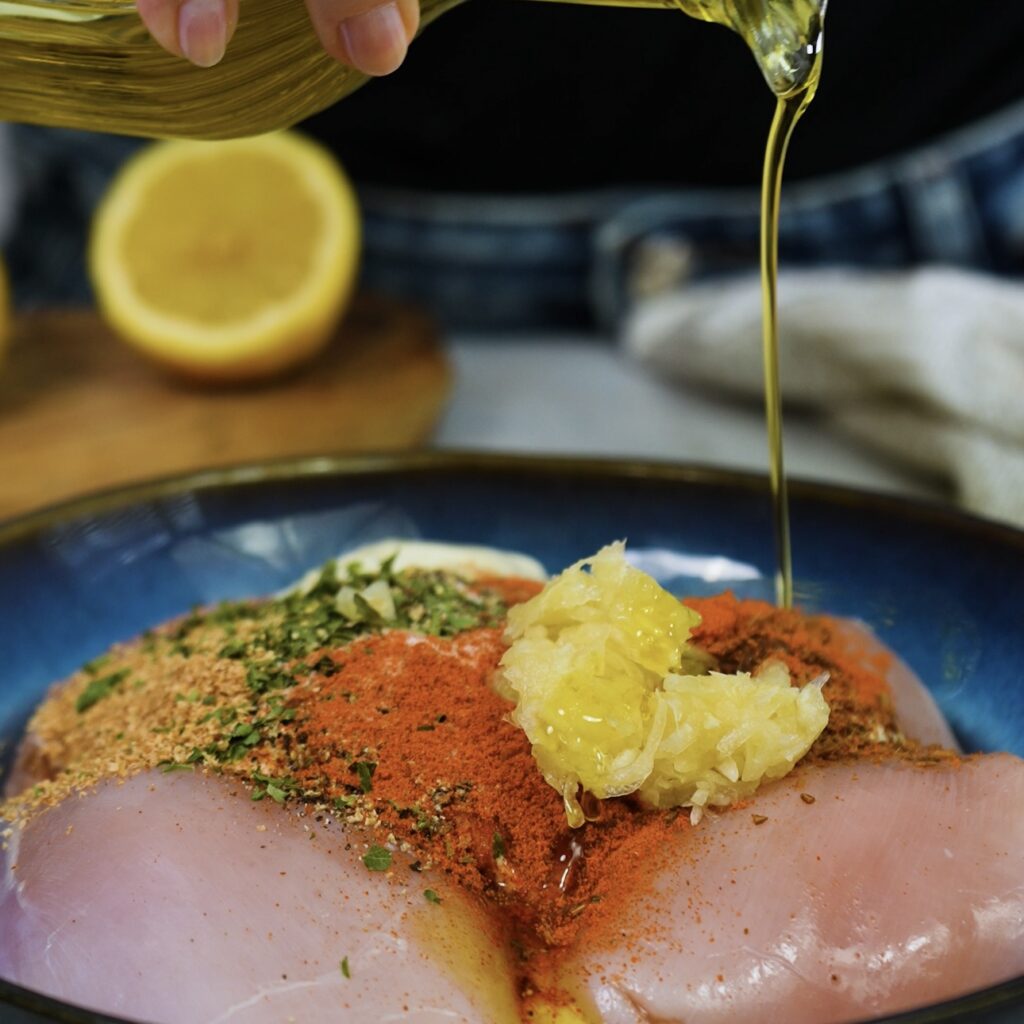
point(364, 770)
point(498, 846)
point(97, 689)
point(377, 858)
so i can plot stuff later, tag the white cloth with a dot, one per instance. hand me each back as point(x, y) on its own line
point(926, 366)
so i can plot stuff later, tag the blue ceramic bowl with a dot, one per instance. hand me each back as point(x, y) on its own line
point(944, 590)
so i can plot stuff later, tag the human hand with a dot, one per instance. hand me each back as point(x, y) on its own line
point(369, 35)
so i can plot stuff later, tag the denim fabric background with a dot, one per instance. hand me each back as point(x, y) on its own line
point(578, 260)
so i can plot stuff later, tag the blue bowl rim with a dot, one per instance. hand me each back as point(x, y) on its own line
point(436, 463)
point(429, 462)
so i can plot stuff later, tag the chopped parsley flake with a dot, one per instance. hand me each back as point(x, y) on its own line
point(97, 689)
point(377, 858)
point(365, 770)
point(92, 667)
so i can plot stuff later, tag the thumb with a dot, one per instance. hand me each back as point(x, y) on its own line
point(367, 35)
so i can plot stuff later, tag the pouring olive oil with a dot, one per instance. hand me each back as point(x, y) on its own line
point(790, 105)
point(787, 112)
point(91, 64)
point(786, 37)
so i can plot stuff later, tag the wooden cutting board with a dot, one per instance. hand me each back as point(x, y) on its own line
point(80, 411)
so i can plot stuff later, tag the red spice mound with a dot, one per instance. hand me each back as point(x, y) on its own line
point(405, 736)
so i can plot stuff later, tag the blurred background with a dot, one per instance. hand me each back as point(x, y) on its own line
point(560, 219)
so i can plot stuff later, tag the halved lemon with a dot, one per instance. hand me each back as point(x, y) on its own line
point(227, 260)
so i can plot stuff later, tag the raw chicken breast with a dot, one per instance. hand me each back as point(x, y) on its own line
point(175, 898)
point(898, 886)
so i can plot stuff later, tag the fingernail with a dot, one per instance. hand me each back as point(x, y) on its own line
point(203, 31)
point(374, 40)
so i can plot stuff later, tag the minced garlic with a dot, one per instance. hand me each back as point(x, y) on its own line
point(597, 667)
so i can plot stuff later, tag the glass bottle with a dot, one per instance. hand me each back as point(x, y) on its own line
point(91, 64)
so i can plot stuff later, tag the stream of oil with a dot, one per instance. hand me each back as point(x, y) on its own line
point(787, 113)
point(785, 37)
